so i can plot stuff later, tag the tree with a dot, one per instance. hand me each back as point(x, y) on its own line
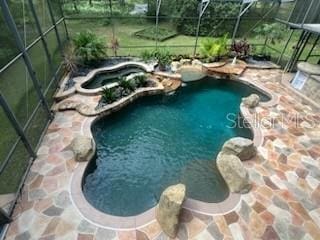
point(272, 33)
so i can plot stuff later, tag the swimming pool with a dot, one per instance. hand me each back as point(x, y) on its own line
point(103, 78)
point(162, 140)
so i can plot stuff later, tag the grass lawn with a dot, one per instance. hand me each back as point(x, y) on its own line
point(130, 45)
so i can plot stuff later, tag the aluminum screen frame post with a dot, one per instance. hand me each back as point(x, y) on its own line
point(54, 25)
point(16, 125)
point(203, 5)
point(64, 21)
point(158, 5)
point(307, 13)
point(312, 48)
point(19, 43)
point(38, 26)
point(242, 11)
point(285, 47)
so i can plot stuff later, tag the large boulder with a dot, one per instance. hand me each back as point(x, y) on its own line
point(82, 148)
point(243, 148)
point(234, 173)
point(251, 101)
point(169, 208)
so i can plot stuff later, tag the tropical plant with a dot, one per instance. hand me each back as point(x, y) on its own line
point(272, 33)
point(214, 47)
point(141, 80)
point(89, 48)
point(133, 84)
point(126, 86)
point(108, 95)
point(70, 60)
point(115, 45)
point(240, 49)
point(163, 57)
point(147, 55)
point(124, 83)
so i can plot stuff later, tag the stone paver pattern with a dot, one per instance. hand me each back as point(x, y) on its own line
point(284, 202)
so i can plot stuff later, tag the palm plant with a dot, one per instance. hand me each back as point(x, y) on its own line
point(124, 84)
point(163, 57)
point(70, 60)
point(89, 48)
point(141, 80)
point(108, 95)
point(214, 47)
point(147, 55)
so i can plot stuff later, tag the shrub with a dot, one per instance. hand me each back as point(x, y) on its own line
point(108, 95)
point(147, 55)
point(211, 23)
point(151, 33)
point(133, 84)
point(141, 80)
point(240, 49)
point(214, 48)
point(163, 57)
point(124, 84)
point(89, 48)
point(126, 87)
point(272, 33)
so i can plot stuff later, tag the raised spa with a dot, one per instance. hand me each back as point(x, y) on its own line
point(162, 140)
point(111, 76)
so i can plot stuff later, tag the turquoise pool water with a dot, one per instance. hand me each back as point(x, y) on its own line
point(162, 140)
point(104, 78)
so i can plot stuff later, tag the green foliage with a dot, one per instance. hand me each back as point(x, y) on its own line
point(141, 80)
point(151, 33)
point(147, 55)
point(97, 8)
point(163, 57)
point(240, 48)
point(124, 88)
point(212, 23)
point(108, 95)
point(214, 47)
point(273, 32)
point(126, 84)
point(89, 48)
